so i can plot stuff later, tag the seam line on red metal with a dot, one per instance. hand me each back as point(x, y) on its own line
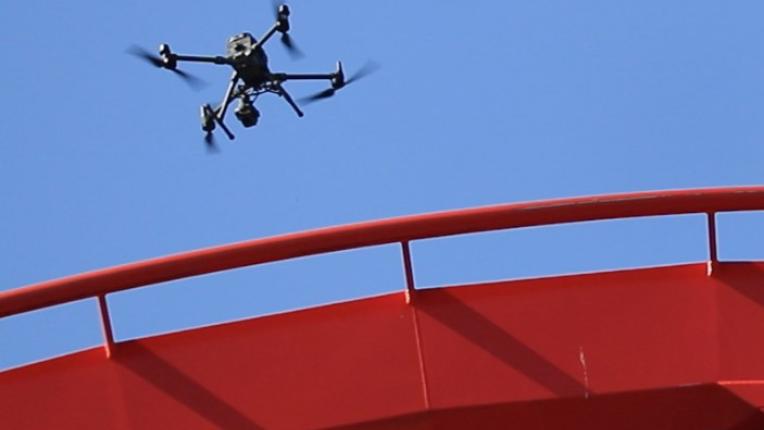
point(420, 357)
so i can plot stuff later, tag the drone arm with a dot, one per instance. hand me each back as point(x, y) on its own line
point(268, 34)
point(304, 76)
point(200, 59)
point(281, 25)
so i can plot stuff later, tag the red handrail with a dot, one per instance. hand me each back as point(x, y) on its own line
point(401, 229)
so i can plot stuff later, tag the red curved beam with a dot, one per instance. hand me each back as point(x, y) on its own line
point(400, 229)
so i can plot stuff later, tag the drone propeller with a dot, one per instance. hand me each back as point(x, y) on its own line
point(150, 58)
point(209, 119)
point(281, 12)
point(209, 140)
point(364, 71)
point(291, 48)
point(157, 61)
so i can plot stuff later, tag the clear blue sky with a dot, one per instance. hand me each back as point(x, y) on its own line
point(476, 103)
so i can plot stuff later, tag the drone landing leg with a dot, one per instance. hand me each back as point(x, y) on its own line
point(288, 98)
point(228, 94)
point(225, 129)
point(210, 113)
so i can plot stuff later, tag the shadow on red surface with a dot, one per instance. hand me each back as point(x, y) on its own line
point(492, 338)
point(160, 373)
point(698, 407)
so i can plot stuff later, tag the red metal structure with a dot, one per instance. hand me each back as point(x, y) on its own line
point(673, 347)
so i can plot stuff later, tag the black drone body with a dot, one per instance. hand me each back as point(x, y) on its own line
point(251, 75)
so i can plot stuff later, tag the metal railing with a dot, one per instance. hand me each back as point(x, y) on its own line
point(403, 230)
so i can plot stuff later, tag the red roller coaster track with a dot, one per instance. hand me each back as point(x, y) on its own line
point(661, 347)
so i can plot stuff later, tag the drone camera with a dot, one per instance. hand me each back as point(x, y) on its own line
point(246, 112)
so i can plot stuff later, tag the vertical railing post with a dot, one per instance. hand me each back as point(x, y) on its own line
point(713, 259)
point(108, 335)
point(409, 271)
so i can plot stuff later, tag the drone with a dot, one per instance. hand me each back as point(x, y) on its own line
point(251, 76)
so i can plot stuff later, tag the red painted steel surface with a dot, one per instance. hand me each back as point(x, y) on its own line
point(661, 348)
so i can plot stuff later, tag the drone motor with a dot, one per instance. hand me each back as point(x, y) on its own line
point(207, 117)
